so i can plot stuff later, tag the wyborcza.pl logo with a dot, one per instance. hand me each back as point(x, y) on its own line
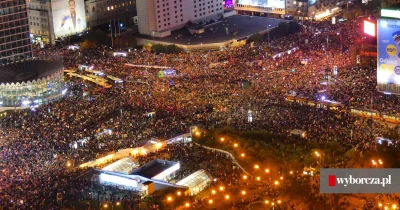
point(333, 181)
point(378, 180)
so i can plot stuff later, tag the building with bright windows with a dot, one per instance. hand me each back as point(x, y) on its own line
point(52, 19)
point(30, 83)
point(99, 12)
point(271, 8)
point(159, 17)
point(14, 32)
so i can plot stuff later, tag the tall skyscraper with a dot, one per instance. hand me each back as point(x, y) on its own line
point(14, 31)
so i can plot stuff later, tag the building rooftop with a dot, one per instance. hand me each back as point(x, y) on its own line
point(124, 165)
point(237, 26)
point(28, 70)
point(153, 168)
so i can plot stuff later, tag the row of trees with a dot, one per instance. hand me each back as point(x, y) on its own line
point(96, 38)
point(283, 29)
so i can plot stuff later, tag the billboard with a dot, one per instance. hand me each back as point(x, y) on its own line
point(369, 28)
point(263, 3)
point(390, 13)
point(388, 68)
point(68, 17)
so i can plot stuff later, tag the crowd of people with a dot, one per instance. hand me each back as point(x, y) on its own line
point(35, 145)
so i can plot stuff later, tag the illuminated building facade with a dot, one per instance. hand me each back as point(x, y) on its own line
point(30, 83)
point(14, 32)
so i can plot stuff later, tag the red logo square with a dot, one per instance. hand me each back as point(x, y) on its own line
point(332, 181)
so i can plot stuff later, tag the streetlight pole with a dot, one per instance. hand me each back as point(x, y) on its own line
point(268, 32)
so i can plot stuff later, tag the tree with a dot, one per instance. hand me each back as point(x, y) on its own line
point(158, 48)
point(121, 42)
point(98, 37)
point(88, 44)
point(254, 38)
point(132, 42)
point(173, 49)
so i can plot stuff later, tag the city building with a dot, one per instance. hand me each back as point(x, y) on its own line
point(52, 19)
point(150, 177)
point(30, 83)
point(299, 9)
point(14, 32)
point(158, 18)
point(40, 21)
point(268, 8)
point(100, 12)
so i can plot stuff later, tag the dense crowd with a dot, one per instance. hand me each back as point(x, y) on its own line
point(35, 145)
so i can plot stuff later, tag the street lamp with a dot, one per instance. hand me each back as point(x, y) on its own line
point(258, 178)
point(222, 139)
point(244, 177)
point(210, 201)
point(276, 183)
point(179, 193)
point(235, 145)
point(187, 205)
point(256, 166)
point(268, 32)
point(267, 201)
point(242, 155)
point(221, 188)
point(213, 192)
point(291, 172)
point(267, 170)
point(243, 192)
point(281, 177)
point(227, 197)
point(169, 199)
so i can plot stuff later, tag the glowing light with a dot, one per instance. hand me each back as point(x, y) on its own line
point(187, 205)
point(235, 145)
point(267, 170)
point(179, 193)
point(258, 178)
point(281, 178)
point(256, 167)
point(169, 198)
point(222, 139)
point(105, 206)
point(267, 201)
point(276, 182)
point(244, 177)
point(118, 203)
point(210, 201)
point(227, 197)
point(213, 192)
point(279, 201)
point(242, 155)
point(243, 192)
point(221, 188)
point(291, 172)
point(369, 28)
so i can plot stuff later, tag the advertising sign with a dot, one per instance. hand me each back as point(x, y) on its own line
point(390, 13)
point(369, 28)
point(388, 69)
point(263, 3)
point(68, 17)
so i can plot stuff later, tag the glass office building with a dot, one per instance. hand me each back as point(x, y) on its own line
point(14, 32)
